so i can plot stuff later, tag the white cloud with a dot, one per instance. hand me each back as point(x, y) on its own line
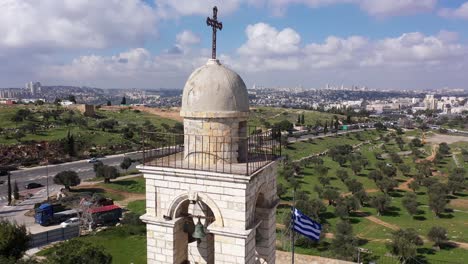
point(171, 8)
point(268, 48)
point(381, 8)
point(50, 24)
point(133, 68)
point(396, 7)
point(460, 12)
point(265, 39)
point(186, 38)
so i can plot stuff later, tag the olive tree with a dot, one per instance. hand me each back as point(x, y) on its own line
point(67, 179)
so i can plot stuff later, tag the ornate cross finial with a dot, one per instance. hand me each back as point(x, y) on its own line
point(215, 24)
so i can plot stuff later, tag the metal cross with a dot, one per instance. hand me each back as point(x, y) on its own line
point(213, 22)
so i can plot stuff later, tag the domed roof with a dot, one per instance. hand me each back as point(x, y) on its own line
point(214, 91)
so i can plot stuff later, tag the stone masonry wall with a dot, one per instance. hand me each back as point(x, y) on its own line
point(213, 140)
point(232, 199)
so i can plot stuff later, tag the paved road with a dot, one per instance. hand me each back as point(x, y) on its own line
point(321, 135)
point(85, 169)
point(39, 174)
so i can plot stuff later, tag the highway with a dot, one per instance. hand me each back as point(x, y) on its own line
point(85, 169)
point(39, 174)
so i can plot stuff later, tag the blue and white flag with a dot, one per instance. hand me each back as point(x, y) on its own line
point(305, 226)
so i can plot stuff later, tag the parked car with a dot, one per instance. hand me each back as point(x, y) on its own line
point(93, 160)
point(33, 185)
point(74, 221)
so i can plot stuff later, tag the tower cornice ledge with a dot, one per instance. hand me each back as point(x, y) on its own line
point(155, 172)
point(223, 114)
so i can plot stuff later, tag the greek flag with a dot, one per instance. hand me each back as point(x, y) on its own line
point(305, 226)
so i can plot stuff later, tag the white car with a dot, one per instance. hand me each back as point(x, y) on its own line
point(93, 160)
point(74, 221)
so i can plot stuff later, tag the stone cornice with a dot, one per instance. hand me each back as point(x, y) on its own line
point(149, 171)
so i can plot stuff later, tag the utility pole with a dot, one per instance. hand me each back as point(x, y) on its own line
point(9, 187)
point(47, 179)
point(292, 226)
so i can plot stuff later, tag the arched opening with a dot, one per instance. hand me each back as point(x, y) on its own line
point(188, 249)
point(261, 231)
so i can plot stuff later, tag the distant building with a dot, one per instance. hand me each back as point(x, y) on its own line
point(66, 103)
point(33, 87)
point(85, 109)
point(430, 102)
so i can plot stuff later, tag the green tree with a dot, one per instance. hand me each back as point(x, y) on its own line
point(330, 194)
point(416, 143)
point(321, 170)
point(356, 166)
point(341, 159)
point(396, 158)
point(354, 185)
point(345, 205)
point(456, 180)
point(108, 173)
point(375, 175)
point(437, 198)
point(381, 203)
point(389, 170)
point(302, 119)
point(342, 175)
point(344, 242)
point(444, 148)
point(77, 251)
point(124, 101)
point(325, 128)
point(316, 161)
point(414, 185)
point(386, 184)
point(14, 239)
point(109, 103)
point(405, 169)
point(126, 163)
point(281, 190)
point(410, 203)
point(404, 244)
point(311, 207)
point(324, 180)
point(69, 144)
point(283, 125)
point(438, 235)
point(67, 179)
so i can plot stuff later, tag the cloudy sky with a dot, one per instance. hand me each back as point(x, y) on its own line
point(398, 44)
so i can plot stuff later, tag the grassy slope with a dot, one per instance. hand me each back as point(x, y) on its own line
point(377, 235)
point(133, 185)
point(96, 137)
point(274, 114)
point(124, 248)
point(138, 207)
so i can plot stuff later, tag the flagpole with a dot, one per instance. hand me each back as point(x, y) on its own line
point(292, 226)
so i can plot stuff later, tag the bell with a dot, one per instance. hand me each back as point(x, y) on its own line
point(199, 232)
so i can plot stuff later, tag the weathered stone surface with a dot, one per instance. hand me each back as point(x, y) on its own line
point(241, 206)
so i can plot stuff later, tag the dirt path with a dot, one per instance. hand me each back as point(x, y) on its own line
point(382, 223)
point(405, 185)
point(128, 196)
point(395, 227)
point(455, 159)
point(283, 257)
point(433, 154)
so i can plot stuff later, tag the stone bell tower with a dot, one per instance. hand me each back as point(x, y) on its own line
point(211, 193)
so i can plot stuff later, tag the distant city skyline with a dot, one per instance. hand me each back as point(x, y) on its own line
point(385, 44)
